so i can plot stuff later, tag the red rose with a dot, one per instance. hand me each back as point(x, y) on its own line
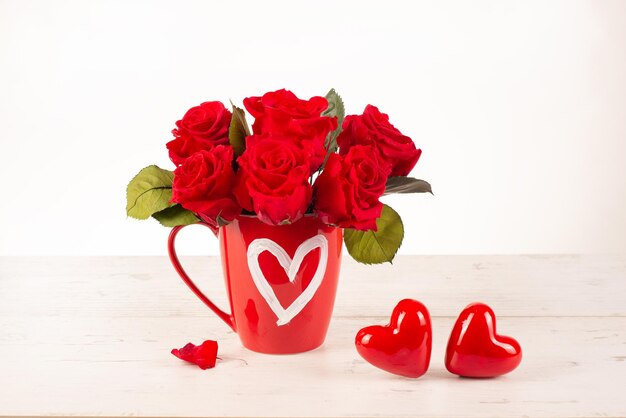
point(202, 128)
point(281, 112)
point(273, 179)
point(204, 184)
point(347, 191)
point(373, 128)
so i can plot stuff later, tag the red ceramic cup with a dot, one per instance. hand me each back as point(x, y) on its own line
point(281, 281)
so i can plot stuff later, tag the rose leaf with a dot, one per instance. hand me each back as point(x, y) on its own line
point(335, 108)
point(402, 184)
point(380, 246)
point(149, 192)
point(175, 216)
point(238, 130)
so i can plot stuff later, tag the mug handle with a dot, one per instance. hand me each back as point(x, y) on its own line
point(228, 318)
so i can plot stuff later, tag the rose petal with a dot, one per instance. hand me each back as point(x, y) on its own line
point(185, 353)
point(203, 356)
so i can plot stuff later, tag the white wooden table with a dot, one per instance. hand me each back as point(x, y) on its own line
point(92, 337)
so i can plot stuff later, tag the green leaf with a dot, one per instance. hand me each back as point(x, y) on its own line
point(335, 108)
point(403, 184)
point(376, 247)
point(149, 192)
point(175, 215)
point(221, 221)
point(238, 130)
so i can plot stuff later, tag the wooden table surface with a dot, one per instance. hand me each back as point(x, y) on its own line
point(92, 336)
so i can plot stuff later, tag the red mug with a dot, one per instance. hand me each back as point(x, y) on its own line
point(281, 281)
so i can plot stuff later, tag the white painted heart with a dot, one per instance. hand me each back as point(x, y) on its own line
point(291, 267)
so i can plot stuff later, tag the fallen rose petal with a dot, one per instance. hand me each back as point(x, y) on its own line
point(206, 355)
point(185, 353)
point(203, 356)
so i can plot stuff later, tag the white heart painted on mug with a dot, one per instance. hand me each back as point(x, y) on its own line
point(291, 267)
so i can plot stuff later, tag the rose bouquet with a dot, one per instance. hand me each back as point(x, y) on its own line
point(301, 158)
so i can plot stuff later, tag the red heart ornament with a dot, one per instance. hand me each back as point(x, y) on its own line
point(474, 348)
point(403, 347)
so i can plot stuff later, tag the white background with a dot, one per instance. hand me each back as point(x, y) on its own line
point(519, 107)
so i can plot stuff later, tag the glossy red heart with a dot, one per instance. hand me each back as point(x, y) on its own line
point(403, 347)
point(476, 350)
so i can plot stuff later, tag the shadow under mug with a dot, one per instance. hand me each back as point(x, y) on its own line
point(281, 281)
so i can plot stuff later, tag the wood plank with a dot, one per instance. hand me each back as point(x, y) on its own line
point(149, 287)
point(86, 366)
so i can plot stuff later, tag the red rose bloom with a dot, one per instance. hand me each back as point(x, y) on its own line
point(346, 193)
point(204, 184)
point(202, 128)
point(300, 121)
point(273, 179)
point(373, 128)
